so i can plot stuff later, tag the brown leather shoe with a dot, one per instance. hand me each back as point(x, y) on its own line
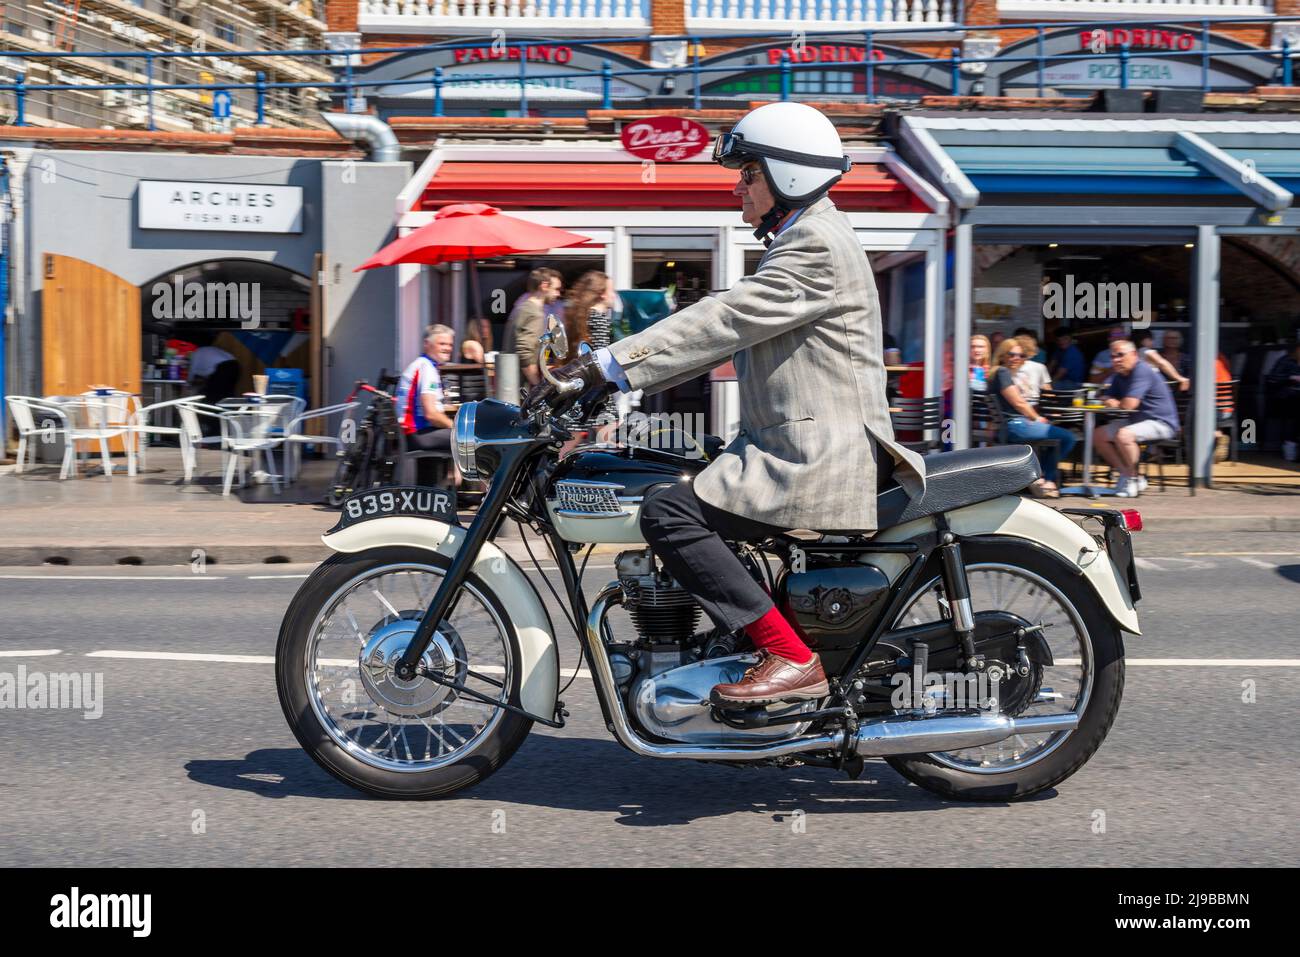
point(773, 679)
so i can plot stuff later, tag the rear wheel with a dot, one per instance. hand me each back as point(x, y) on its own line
point(1086, 677)
point(342, 636)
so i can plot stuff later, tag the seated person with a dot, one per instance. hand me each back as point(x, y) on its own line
point(1023, 423)
point(1137, 387)
point(420, 411)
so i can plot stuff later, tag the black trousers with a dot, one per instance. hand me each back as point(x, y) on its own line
point(429, 440)
point(687, 536)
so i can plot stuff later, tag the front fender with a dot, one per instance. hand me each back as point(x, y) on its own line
point(539, 673)
point(1018, 517)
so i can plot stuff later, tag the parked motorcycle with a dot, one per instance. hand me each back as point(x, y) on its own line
point(974, 641)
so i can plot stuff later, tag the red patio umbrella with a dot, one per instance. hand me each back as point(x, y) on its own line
point(464, 231)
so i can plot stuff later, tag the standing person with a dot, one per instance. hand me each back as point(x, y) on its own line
point(1032, 377)
point(1023, 423)
point(214, 372)
point(586, 319)
point(554, 308)
point(527, 321)
point(1137, 387)
point(478, 340)
point(804, 333)
point(419, 399)
point(980, 351)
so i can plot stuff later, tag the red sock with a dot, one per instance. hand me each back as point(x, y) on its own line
point(773, 633)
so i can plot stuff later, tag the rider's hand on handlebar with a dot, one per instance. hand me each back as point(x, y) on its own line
point(585, 370)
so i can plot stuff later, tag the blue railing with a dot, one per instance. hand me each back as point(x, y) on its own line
point(347, 85)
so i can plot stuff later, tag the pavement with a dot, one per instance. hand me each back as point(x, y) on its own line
point(191, 763)
point(155, 519)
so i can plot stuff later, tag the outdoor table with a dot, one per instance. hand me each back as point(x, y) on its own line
point(1089, 424)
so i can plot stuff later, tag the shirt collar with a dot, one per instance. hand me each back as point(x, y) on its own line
point(790, 222)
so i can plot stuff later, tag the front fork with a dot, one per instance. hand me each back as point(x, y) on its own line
point(483, 527)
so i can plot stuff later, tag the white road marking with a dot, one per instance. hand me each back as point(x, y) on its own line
point(265, 660)
point(1259, 563)
point(42, 653)
point(254, 578)
point(1243, 553)
point(185, 656)
point(119, 578)
point(1201, 662)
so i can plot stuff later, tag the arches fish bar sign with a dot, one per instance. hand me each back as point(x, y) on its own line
point(219, 207)
point(664, 139)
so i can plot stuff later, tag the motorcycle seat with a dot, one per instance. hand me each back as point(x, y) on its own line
point(955, 479)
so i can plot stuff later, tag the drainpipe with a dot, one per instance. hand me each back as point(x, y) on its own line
point(371, 130)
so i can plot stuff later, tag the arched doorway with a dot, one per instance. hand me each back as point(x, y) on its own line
point(258, 313)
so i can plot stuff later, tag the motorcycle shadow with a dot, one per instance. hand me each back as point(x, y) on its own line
point(590, 774)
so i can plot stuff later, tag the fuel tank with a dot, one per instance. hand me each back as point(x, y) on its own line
point(595, 494)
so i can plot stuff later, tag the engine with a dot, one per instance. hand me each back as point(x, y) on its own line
point(666, 675)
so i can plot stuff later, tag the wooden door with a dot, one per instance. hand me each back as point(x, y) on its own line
point(90, 329)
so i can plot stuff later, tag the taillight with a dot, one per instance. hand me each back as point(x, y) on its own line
point(1132, 519)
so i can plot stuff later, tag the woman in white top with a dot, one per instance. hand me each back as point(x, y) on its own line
point(1032, 377)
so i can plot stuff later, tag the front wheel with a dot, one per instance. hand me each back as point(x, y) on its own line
point(342, 636)
point(1086, 677)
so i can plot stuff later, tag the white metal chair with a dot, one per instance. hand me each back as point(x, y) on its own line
point(141, 428)
point(254, 428)
point(75, 418)
point(295, 439)
point(112, 410)
point(39, 419)
point(191, 415)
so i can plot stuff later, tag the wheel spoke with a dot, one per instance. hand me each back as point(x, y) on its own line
point(1064, 688)
point(379, 717)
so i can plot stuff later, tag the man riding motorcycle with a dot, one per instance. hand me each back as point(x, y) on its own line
point(805, 335)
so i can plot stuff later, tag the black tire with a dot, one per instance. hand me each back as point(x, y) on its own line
point(497, 745)
point(1099, 713)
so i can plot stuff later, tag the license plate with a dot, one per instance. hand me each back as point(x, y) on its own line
point(432, 502)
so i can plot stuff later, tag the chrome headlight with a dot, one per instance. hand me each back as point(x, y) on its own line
point(466, 442)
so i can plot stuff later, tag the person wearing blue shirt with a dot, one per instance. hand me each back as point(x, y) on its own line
point(1139, 389)
point(1068, 367)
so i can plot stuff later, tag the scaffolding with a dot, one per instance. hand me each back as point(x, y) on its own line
point(45, 31)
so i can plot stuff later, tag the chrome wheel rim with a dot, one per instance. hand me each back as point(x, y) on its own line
point(1066, 685)
point(390, 723)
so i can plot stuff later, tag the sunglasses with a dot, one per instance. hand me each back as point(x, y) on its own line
point(1015, 355)
point(749, 174)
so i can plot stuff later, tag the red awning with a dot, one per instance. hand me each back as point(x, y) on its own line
point(868, 187)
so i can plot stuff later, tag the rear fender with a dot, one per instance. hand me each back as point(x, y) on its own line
point(539, 661)
point(1017, 517)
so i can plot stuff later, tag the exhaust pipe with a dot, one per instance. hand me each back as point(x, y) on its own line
point(895, 734)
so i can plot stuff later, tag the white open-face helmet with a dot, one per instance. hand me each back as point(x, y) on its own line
point(797, 146)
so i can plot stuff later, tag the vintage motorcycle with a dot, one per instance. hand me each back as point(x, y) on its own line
point(974, 641)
